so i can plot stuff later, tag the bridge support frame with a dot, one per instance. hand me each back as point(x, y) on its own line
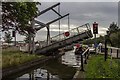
point(48, 35)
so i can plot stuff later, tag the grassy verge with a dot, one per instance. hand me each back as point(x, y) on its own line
point(98, 68)
point(14, 58)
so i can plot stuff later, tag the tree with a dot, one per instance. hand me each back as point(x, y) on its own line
point(18, 15)
point(113, 28)
point(114, 37)
point(113, 32)
point(8, 37)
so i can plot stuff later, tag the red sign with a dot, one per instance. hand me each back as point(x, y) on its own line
point(66, 34)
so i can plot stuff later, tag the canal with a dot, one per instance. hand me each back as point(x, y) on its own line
point(63, 68)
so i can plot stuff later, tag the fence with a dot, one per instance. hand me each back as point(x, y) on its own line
point(84, 57)
point(114, 52)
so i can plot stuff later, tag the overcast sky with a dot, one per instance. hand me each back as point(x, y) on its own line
point(80, 13)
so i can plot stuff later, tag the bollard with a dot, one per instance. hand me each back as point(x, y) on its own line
point(88, 54)
point(81, 63)
point(117, 53)
point(111, 50)
point(105, 56)
point(85, 59)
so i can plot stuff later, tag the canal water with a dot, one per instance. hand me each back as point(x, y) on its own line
point(63, 68)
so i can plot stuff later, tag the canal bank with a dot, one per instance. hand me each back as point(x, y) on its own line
point(62, 67)
point(96, 67)
point(7, 72)
point(51, 70)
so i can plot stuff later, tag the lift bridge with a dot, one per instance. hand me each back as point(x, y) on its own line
point(77, 34)
point(61, 40)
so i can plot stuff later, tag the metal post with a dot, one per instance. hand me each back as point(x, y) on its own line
point(111, 51)
point(48, 35)
point(111, 58)
point(95, 43)
point(117, 53)
point(15, 37)
point(88, 54)
point(81, 63)
point(95, 31)
point(15, 33)
point(105, 47)
point(59, 19)
point(85, 58)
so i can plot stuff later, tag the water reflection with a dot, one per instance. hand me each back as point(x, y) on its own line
point(63, 68)
point(71, 59)
point(38, 74)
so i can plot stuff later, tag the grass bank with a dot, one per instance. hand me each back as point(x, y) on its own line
point(13, 57)
point(98, 68)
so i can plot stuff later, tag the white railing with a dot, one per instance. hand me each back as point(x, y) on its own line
point(72, 32)
point(114, 52)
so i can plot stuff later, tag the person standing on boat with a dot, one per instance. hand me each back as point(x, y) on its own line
point(79, 49)
point(78, 52)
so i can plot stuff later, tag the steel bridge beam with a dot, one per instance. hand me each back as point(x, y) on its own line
point(46, 25)
point(57, 19)
point(56, 12)
point(42, 12)
point(41, 24)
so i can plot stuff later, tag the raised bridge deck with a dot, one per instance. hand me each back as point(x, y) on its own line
point(77, 34)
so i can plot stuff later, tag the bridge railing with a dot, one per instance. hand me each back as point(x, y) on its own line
point(114, 52)
point(72, 32)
